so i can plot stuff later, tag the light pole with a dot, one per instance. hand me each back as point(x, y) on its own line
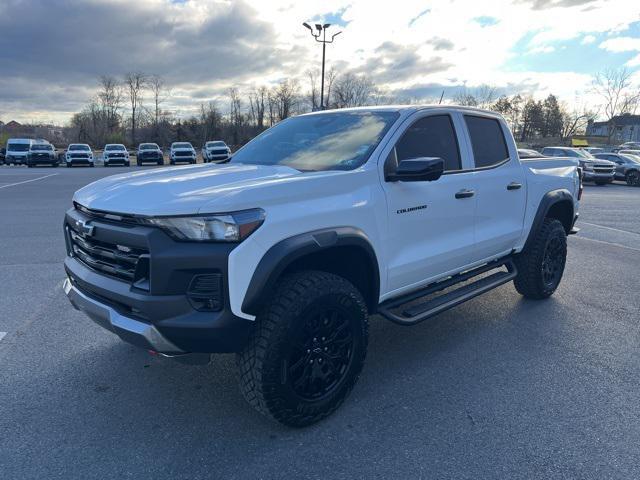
point(321, 30)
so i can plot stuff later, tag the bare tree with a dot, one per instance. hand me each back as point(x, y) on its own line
point(329, 78)
point(160, 94)
point(575, 120)
point(110, 99)
point(350, 90)
point(235, 114)
point(613, 87)
point(257, 101)
point(314, 93)
point(286, 97)
point(134, 83)
point(483, 96)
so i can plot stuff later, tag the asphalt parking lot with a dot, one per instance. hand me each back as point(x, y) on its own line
point(499, 387)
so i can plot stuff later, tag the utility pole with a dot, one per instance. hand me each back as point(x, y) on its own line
point(321, 30)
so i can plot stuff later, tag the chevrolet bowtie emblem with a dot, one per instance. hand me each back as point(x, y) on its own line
point(84, 228)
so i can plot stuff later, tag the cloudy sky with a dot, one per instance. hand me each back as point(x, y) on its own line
point(53, 51)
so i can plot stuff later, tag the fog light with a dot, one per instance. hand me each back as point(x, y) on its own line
point(205, 292)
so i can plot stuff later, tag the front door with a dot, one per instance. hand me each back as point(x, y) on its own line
point(430, 223)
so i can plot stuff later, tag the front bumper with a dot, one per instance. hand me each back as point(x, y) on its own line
point(160, 316)
point(18, 160)
point(42, 160)
point(118, 160)
point(130, 330)
point(590, 176)
point(217, 158)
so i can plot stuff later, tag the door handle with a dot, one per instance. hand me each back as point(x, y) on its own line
point(514, 186)
point(465, 193)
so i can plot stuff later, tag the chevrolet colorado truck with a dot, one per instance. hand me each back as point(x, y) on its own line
point(282, 254)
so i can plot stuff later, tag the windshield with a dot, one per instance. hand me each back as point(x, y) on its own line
point(149, 146)
point(42, 146)
point(581, 153)
point(182, 145)
point(216, 144)
point(326, 141)
point(114, 147)
point(83, 148)
point(18, 147)
point(633, 158)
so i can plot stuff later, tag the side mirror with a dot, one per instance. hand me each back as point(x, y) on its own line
point(423, 169)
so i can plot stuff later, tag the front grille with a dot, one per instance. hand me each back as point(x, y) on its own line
point(603, 168)
point(79, 155)
point(120, 261)
point(115, 155)
point(219, 152)
point(183, 154)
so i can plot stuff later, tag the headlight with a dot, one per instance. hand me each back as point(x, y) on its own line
point(229, 227)
point(588, 167)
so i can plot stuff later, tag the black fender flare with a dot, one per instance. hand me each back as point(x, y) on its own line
point(548, 200)
point(285, 252)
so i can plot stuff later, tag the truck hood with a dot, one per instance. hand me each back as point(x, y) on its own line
point(176, 190)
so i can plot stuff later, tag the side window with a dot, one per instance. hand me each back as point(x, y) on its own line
point(487, 140)
point(432, 136)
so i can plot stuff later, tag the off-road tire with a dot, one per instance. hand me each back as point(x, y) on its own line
point(265, 381)
point(531, 280)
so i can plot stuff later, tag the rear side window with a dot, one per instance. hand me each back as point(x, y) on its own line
point(432, 136)
point(487, 141)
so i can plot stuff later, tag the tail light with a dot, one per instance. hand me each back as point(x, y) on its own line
point(580, 187)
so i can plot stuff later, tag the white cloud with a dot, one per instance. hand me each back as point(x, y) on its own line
point(194, 45)
point(587, 39)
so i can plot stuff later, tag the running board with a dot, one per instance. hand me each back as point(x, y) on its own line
point(422, 311)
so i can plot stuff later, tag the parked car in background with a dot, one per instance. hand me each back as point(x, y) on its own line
point(528, 153)
point(3, 155)
point(595, 170)
point(115, 154)
point(627, 166)
point(17, 151)
point(149, 153)
point(182, 152)
point(593, 150)
point(629, 146)
point(215, 151)
point(42, 153)
point(629, 152)
point(78, 154)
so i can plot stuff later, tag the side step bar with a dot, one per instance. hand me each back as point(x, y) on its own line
point(422, 311)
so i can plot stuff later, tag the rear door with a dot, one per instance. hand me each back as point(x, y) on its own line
point(430, 224)
point(500, 187)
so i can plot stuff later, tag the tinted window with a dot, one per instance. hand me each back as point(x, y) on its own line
point(487, 140)
point(431, 137)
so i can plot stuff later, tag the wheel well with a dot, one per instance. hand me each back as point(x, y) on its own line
point(562, 211)
point(350, 262)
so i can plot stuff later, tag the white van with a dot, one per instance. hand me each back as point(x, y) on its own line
point(17, 150)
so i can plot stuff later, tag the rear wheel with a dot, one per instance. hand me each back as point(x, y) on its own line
point(633, 178)
point(541, 267)
point(307, 349)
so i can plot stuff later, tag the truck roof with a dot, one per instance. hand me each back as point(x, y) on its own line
point(408, 109)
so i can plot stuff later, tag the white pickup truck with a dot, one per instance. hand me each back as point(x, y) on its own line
point(325, 219)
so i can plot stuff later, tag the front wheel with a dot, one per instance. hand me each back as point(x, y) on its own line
point(633, 178)
point(307, 349)
point(541, 267)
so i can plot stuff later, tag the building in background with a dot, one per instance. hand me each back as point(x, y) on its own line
point(624, 128)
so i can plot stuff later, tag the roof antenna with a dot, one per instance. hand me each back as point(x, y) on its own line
point(441, 97)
